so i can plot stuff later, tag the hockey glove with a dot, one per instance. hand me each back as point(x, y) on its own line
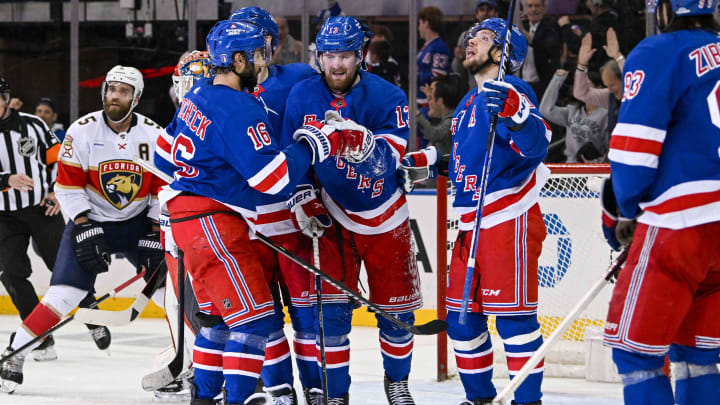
point(357, 142)
point(609, 214)
point(166, 236)
point(512, 108)
point(418, 166)
point(323, 140)
point(308, 212)
point(90, 247)
point(150, 253)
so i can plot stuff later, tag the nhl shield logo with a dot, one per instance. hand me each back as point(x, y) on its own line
point(120, 181)
point(26, 146)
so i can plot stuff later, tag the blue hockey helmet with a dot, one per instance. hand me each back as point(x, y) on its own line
point(227, 37)
point(518, 43)
point(258, 16)
point(341, 34)
point(683, 8)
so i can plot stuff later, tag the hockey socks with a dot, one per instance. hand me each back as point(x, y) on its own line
point(208, 361)
point(643, 378)
point(473, 354)
point(277, 368)
point(304, 346)
point(697, 380)
point(521, 337)
point(337, 318)
point(243, 358)
point(396, 346)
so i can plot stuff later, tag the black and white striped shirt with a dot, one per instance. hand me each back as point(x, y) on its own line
point(26, 146)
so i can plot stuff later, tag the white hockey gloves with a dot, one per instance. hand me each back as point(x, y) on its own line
point(418, 166)
point(511, 107)
point(323, 140)
point(308, 212)
point(358, 141)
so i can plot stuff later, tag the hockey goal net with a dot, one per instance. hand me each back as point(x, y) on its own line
point(574, 256)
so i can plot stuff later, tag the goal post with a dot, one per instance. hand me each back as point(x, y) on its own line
point(574, 255)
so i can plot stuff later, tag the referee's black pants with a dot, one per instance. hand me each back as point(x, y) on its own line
point(16, 228)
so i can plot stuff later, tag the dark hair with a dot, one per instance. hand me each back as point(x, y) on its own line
point(382, 30)
point(450, 88)
point(382, 49)
point(433, 16)
point(595, 78)
point(48, 102)
point(706, 22)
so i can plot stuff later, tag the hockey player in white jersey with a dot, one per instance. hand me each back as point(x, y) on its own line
point(110, 200)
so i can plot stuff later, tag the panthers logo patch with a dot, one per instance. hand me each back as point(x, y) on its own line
point(120, 180)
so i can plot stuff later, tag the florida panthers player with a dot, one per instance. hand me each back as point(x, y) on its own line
point(370, 212)
point(111, 202)
point(273, 219)
point(665, 164)
point(505, 281)
point(220, 140)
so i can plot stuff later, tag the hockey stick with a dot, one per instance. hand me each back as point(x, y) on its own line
point(71, 317)
point(318, 289)
point(169, 373)
point(484, 179)
point(431, 328)
point(564, 325)
point(124, 317)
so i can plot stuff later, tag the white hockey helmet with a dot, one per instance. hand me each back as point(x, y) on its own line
point(128, 75)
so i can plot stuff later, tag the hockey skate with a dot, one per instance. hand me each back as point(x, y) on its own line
point(314, 396)
point(46, 350)
point(479, 401)
point(11, 372)
point(397, 393)
point(257, 399)
point(100, 335)
point(178, 390)
point(282, 395)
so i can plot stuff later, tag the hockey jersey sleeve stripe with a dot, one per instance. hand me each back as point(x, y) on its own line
point(273, 177)
point(70, 175)
point(633, 158)
point(164, 144)
point(640, 132)
point(685, 196)
point(548, 130)
point(626, 143)
point(398, 144)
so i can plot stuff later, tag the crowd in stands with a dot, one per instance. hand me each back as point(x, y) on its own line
point(574, 65)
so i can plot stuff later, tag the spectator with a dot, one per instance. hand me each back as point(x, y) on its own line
point(543, 36)
point(611, 74)
point(16, 102)
point(571, 38)
point(434, 58)
point(289, 50)
point(484, 9)
point(380, 33)
point(45, 109)
point(381, 63)
point(586, 139)
point(603, 18)
point(444, 95)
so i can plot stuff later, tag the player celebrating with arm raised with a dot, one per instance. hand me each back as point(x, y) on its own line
point(220, 152)
point(111, 202)
point(361, 193)
point(505, 278)
point(666, 173)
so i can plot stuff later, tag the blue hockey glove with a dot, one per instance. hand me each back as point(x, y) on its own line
point(609, 214)
point(503, 99)
point(308, 212)
point(418, 166)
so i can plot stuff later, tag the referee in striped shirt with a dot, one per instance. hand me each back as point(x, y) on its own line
point(28, 208)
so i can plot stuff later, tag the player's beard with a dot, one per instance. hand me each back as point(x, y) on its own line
point(474, 66)
point(343, 84)
point(116, 110)
point(248, 77)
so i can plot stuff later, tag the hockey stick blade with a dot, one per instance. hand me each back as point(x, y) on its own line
point(431, 328)
point(124, 317)
point(170, 373)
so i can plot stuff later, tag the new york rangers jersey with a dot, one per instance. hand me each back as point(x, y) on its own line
point(665, 149)
point(96, 172)
point(272, 215)
point(364, 197)
point(516, 170)
point(219, 145)
point(432, 60)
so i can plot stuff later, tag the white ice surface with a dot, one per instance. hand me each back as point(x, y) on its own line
point(83, 375)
